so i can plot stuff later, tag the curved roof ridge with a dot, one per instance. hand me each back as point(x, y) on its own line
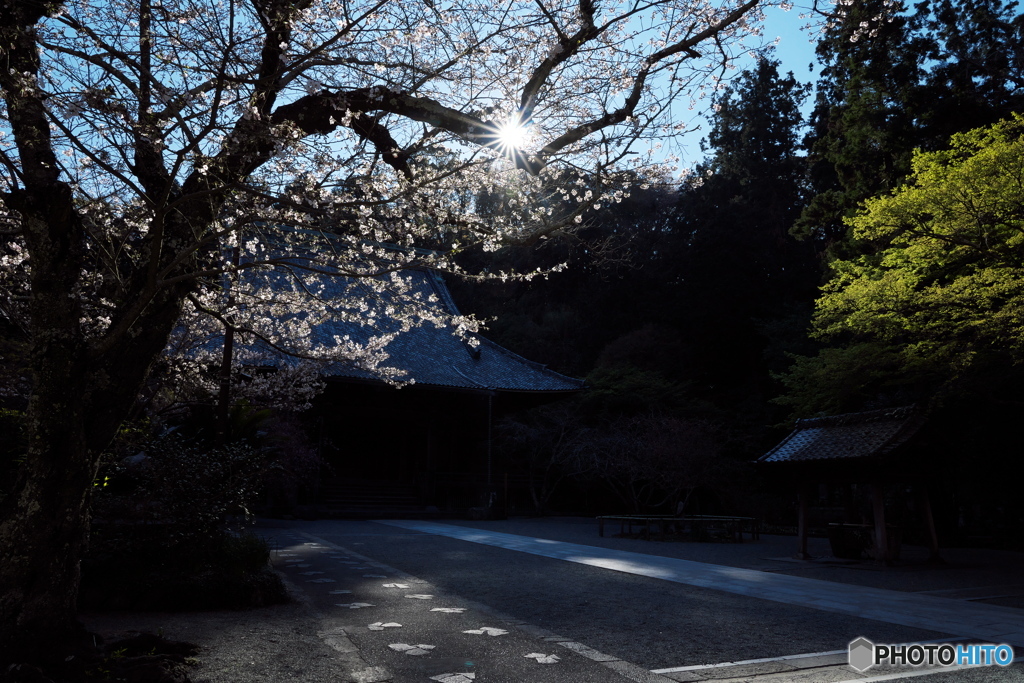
point(897, 413)
point(848, 436)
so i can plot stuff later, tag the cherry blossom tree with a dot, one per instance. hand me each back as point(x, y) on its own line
point(151, 148)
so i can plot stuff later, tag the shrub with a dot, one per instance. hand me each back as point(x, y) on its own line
point(162, 535)
point(228, 572)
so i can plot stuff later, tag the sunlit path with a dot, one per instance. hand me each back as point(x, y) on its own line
point(988, 622)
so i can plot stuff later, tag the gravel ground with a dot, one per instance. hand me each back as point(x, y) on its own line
point(267, 645)
point(964, 567)
point(651, 623)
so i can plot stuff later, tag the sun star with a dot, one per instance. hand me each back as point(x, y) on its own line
point(512, 135)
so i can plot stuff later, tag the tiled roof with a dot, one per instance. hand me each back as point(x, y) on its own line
point(426, 354)
point(436, 356)
point(848, 436)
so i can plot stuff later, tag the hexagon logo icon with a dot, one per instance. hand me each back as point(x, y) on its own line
point(862, 654)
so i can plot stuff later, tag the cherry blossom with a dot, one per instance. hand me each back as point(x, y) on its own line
point(182, 172)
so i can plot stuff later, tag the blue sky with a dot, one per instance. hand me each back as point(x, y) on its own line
point(796, 52)
point(795, 49)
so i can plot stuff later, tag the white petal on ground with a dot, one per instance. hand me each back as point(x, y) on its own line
point(395, 585)
point(320, 581)
point(448, 610)
point(353, 605)
point(487, 630)
point(453, 678)
point(414, 650)
point(380, 625)
point(542, 659)
point(339, 592)
point(420, 596)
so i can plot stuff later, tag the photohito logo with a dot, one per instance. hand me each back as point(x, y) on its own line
point(863, 654)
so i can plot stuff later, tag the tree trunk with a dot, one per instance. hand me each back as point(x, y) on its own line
point(73, 415)
point(44, 527)
point(77, 404)
point(43, 534)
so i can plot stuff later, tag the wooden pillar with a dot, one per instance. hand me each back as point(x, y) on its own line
point(881, 537)
point(925, 506)
point(803, 496)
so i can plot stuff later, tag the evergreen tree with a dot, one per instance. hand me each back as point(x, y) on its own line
point(863, 127)
point(895, 81)
point(977, 65)
point(736, 263)
point(737, 273)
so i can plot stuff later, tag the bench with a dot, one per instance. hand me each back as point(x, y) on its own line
point(699, 524)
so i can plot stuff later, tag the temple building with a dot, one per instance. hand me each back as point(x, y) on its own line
point(428, 445)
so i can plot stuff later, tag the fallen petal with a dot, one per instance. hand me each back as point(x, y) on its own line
point(380, 626)
point(488, 631)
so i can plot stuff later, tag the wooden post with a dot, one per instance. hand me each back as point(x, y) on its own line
point(925, 504)
point(802, 499)
point(881, 537)
point(223, 417)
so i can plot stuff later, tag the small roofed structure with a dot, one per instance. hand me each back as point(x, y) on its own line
point(855, 448)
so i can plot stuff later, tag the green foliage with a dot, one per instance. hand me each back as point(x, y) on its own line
point(948, 277)
point(856, 377)
point(863, 125)
point(977, 64)
point(939, 303)
point(741, 285)
point(756, 129)
point(188, 487)
point(625, 390)
point(894, 81)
